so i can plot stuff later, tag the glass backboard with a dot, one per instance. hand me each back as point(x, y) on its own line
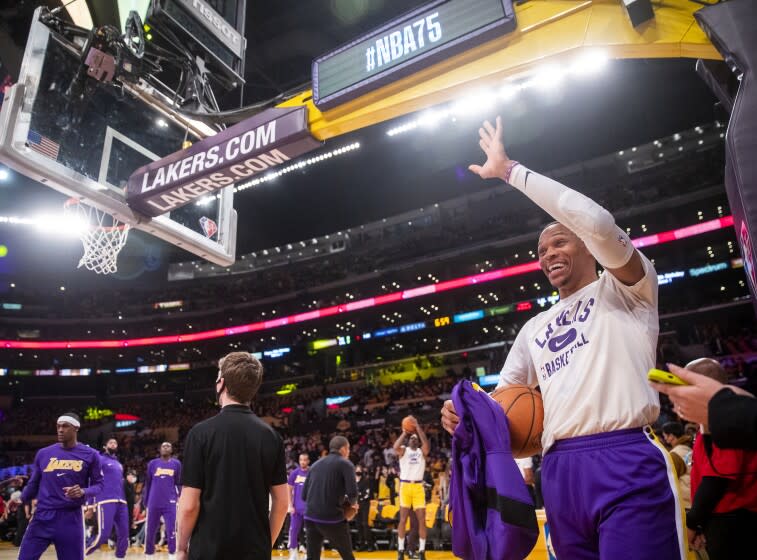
point(88, 147)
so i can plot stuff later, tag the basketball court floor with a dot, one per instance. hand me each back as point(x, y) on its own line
point(8, 552)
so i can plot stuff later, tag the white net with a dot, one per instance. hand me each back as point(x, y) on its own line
point(102, 236)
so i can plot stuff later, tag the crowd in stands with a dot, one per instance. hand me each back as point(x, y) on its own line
point(455, 231)
point(370, 404)
point(370, 418)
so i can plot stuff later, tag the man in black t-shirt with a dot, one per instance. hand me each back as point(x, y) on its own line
point(330, 493)
point(233, 462)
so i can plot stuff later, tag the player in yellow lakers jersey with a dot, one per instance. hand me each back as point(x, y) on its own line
point(412, 468)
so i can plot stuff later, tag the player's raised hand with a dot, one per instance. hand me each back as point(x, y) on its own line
point(450, 419)
point(497, 160)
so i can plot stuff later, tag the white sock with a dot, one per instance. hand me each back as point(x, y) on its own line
point(401, 545)
point(421, 544)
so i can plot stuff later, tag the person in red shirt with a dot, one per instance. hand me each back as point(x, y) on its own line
point(723, 512)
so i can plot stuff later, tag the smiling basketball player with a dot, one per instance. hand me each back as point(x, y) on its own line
point(607, 482)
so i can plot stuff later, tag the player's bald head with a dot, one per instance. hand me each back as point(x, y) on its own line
point(709, 368)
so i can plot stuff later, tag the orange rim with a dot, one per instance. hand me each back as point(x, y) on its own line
point(121, 227)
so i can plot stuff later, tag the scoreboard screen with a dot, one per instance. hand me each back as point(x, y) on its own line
point(418, 39)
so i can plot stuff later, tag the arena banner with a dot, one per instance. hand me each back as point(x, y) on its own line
point(730, 26)
point(416, 40)
point(251, 147)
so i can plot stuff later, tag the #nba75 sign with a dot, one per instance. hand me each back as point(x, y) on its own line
point(407, 44)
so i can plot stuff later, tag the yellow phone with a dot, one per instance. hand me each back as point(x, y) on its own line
point(662, 376)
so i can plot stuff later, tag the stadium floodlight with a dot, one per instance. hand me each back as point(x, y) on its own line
point(476, 102)
point(58, 224)
point(509, 91)
point(589, 63)
point(432, 118)
point(410, 125)
point(547, 78)
point(4, 174)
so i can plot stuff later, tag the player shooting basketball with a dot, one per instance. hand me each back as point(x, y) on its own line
point(412, 495)
point(607, 482)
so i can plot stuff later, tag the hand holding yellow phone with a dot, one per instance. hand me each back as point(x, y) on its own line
point(662, 376)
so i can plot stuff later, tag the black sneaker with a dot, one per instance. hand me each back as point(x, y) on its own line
point(400, 555)
point(421, 555)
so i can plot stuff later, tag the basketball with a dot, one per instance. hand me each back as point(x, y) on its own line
point(349, 511)
point(408, 424)
point(525, 415)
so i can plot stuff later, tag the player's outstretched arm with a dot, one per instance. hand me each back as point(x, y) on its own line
point(399, 444)
point(594, 225)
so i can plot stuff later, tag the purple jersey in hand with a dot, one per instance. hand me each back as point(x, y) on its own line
point(113, 479)
point(55, 468)
point(297, 480)
point(163, 483)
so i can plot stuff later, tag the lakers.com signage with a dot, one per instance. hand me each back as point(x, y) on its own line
point(248, 148)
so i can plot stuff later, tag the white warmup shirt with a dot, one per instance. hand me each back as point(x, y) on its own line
point(590, 354)
point(412, 465)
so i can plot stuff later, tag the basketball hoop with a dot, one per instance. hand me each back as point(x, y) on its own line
point(102, 235)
